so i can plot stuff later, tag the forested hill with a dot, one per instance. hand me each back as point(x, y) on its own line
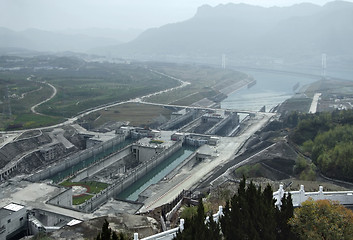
point(240, 30)
point(328, 139)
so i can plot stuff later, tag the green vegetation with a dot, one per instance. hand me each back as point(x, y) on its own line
point(77, 200)
point(253, 215)
point(136, 113)
point(322, 219)
point(92, 186)
point(305, 169)
point(206, 82)
point(328, 139)
point(80, 85)
point(17, 96)
point(249, 170)
point(100, 83)
point(34, 121)
point(188, 212)
point(108, 234)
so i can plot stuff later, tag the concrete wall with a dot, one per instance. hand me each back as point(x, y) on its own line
point(13, 223)
point(75, 158)
point(179, 120)
point(63, 199)
point(143, 154)
point(98, 166)
point(218, 126)
point(50, 218)
point(121, 184)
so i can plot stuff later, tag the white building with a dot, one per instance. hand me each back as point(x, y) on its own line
point(13, 220)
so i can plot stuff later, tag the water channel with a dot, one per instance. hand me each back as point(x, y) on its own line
point(88, 161)
point(156, 174)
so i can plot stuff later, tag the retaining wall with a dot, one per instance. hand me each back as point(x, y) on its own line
point(75, 158)
point(51, 218)
point(98, 166)
point(63, 199)
point(121, 184)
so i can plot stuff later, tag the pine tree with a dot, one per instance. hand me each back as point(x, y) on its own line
point(282, 216)
point(108, 234)
point(250, 214)
point(195, 228)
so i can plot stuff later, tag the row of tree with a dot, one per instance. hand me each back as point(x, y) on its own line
point(251, 214)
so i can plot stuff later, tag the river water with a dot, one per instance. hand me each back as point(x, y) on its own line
point(271, 89)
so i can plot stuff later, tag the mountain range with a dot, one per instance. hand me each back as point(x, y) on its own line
point(79, 40)
point(243, 31)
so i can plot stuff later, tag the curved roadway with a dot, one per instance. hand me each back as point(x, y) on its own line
point(98, 108)
point(33, 108)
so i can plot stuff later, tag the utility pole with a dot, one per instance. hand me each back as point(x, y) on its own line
point(323, 65)
point(7, 104)
point(223, 61)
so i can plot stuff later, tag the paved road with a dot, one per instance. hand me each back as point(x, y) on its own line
point(33, 108)
point(313, 106)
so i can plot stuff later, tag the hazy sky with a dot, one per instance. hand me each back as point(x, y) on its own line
point(119, 14)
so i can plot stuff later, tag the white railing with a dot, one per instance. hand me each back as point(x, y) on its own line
point(298, 197)
point(170, 234)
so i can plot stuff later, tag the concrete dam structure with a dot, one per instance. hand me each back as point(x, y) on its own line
point(123, 183)
point(70, 161)
point(148, 153)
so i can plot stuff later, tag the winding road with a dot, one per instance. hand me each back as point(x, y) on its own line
point(89, 111)
point(33, 108)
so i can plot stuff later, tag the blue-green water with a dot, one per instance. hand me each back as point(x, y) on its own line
point(88, 161)
point(156, 174)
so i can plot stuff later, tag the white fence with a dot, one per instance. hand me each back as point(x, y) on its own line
point(298, 197)
point(170, 234)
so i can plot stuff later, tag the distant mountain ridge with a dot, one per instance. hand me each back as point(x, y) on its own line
point(70, 40)
point(241, 30)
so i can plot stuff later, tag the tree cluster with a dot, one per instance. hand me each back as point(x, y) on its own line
point(328, 139)
point(108, 234)
point(251, 214)
point(322, 219)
